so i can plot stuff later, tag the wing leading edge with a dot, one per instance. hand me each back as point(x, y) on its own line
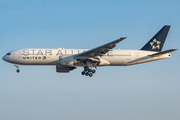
point(99, 51)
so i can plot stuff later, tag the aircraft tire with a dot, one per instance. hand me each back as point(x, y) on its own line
point(93, 71)
point(86, 69)
point(83, 73)
point(17, 70)
point(90, 75)
point(86, 73)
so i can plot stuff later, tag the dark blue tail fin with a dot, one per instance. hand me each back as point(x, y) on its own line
point(156, 43)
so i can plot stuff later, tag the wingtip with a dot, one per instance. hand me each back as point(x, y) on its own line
point(175, 49)
point(122, 37)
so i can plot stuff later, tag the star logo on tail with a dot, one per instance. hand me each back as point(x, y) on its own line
point(155, 44)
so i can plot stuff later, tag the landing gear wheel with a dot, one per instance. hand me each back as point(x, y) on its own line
point(86, 68)
point(17, 70)
point(93, 71)
point(89, 70)
point(90, 75)
point(86, 73)
point(83, 73)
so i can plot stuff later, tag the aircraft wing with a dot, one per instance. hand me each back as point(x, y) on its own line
point(99, 51)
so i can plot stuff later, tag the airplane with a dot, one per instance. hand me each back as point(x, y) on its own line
point(67, 60)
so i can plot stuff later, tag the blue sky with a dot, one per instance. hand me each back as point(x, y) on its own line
point(146, 91)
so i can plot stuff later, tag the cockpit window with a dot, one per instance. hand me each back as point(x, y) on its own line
point(8, 54)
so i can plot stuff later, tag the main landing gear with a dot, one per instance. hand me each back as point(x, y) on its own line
point(88, 71)
point(17, 66)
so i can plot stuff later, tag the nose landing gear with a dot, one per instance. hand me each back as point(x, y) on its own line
point(17, 70)
point(88, 71)
point(17, 66)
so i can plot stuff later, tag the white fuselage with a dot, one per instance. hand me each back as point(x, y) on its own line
point(67, 60)
point(52, 57)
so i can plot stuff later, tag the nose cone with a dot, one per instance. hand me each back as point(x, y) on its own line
point(4, 58)
point(10, 58)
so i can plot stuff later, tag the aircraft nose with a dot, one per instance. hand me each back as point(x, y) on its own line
point(4, 58)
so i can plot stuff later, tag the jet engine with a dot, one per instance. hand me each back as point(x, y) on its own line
point(67, 61)
point(62, 69)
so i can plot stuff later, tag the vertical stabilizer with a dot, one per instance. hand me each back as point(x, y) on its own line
point(156, 43)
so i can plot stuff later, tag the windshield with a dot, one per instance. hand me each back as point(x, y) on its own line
point(8, 54)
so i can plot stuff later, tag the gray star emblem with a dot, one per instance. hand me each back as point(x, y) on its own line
point(155, 44)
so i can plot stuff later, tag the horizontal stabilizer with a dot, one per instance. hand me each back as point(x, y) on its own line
point(164, 52)
point(152, 56)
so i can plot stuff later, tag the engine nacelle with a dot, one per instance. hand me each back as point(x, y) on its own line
point(67, 61)
point(63, 69)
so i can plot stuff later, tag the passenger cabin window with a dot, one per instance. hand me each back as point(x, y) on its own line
point(8, 54)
